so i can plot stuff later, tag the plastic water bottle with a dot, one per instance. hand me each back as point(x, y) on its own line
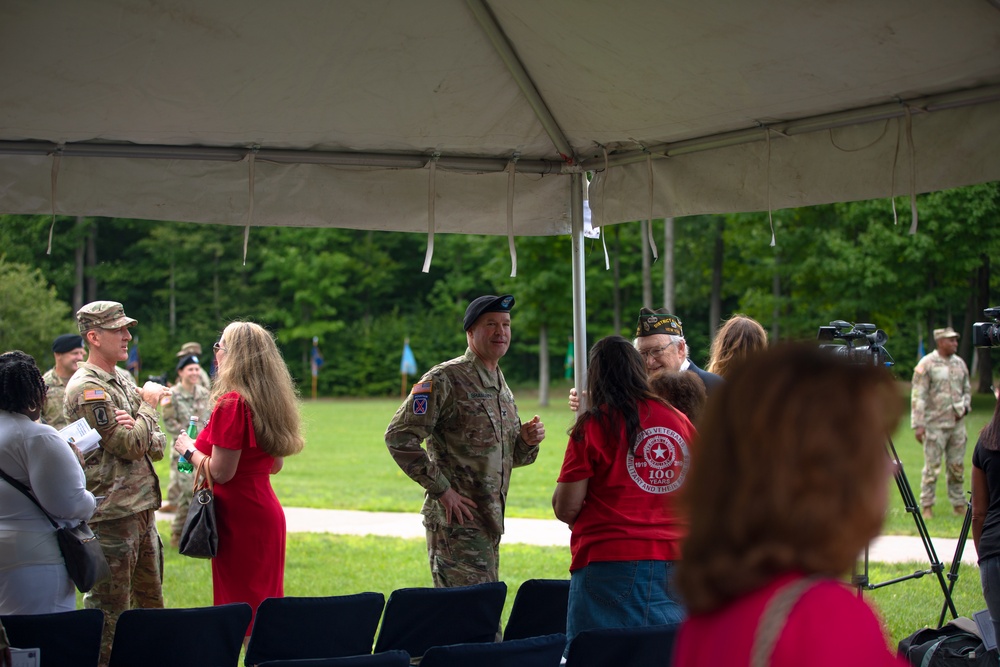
point(183, 465)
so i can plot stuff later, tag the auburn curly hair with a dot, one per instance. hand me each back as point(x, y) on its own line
point(738, 338)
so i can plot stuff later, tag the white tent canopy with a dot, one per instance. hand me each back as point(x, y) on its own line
point(406, 114)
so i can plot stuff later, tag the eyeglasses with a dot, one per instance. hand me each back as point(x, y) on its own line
point(218, 347)
point(655, 352)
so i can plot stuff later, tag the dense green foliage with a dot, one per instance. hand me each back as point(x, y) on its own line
point(362, 292)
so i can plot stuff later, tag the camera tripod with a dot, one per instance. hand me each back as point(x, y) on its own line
point(861, 580)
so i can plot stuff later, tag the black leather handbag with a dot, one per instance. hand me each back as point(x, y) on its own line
point(200, 535)
point(82, 553)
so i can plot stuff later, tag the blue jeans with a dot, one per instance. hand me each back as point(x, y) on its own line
point(622, 594)
point(989, 574)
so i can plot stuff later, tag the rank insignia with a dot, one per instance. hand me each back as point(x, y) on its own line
point(420, 405)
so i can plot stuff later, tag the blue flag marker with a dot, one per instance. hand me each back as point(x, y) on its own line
point(408, 364)
point(315, 359)
point(134, 363)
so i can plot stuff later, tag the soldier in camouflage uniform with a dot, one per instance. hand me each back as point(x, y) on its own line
point(121, 469)
point(187, 399)
point(941, 397)
point(68, 353)
point(466, 412)
point(194, 348)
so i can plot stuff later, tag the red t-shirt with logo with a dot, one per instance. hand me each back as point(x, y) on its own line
point(630, 510)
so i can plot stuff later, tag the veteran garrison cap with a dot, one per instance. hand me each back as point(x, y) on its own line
point(659, 321)
point(947, 332)
point(103, 315)
point(189, 348)
point(66, 343)
point(487, 304)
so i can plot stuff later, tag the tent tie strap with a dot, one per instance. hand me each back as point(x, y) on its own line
point(251, 159)
point(604, 214)
point(649, 227)
point(431, 195)
point(767, 183)
point(511, 170)
point(56, 158)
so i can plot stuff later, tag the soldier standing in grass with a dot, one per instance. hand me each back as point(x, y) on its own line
point(941, 397)
point(187, 399)
point(465, 411)
point(120, 470)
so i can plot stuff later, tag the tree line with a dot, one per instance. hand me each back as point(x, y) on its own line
point(361, 293)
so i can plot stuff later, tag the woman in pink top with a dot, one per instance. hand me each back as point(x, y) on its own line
point(788, 485)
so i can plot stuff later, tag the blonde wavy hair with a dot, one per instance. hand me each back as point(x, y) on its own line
point(790, 474)
point(254, 369)
point(738, 338)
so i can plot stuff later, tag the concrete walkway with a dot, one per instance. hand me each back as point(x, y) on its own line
point(549, 532)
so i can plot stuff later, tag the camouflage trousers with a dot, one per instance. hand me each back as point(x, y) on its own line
point(183, 502)
point(178, 481)
point(462, 556)
point(135, 555)
point(948, 443)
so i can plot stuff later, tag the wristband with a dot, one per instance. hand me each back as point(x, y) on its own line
point(188, 454)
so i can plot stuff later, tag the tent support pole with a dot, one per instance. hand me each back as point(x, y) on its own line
point(579, 289)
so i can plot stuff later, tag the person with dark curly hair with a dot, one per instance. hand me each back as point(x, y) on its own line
point(788, 484)
point(625, 464)
point(33, 577)
point(685, 391)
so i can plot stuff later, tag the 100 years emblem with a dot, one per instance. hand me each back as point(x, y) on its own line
point(660, 460)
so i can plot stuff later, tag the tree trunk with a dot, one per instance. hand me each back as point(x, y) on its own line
point(173, 300)
point(647, 261)
point(985, 363)
point(965, 340)
point(91, 279)
point(81, 253)
point(668, 265)
point(776, 299)
point(715, 303)
point(616, 268)
point(543, 366)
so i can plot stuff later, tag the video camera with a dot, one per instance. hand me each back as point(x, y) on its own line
point(987, 334)
point(161, 379)
point(863, 343)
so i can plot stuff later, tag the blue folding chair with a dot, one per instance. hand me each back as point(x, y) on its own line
point(539, 609)
point(295, 628)
point(66, 639)
point(387, 659)
point(531, 652)
point(416, 619)
point(171, 637)
point(623, 647)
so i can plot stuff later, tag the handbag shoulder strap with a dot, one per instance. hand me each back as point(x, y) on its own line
point(204, 471)
point(26, 491)
point(772, 621)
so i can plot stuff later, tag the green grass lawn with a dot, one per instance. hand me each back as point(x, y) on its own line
point(345, 466)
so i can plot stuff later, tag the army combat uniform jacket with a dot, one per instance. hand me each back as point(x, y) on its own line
point(54, 413)
point(121, 468)
point(467, 415)
point(941, 394)
point(182, 406)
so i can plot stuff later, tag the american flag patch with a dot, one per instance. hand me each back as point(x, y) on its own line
point(421, 388)
point(93, 395)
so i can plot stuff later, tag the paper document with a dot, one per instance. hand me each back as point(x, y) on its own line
point(81, 434)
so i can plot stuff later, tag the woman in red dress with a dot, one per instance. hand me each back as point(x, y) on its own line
point(255, 424)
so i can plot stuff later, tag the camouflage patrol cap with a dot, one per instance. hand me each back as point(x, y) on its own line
point(947, 332)
point(659, 321)
point(189, 348)
point(103, 315)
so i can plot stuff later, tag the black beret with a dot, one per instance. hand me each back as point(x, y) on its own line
point(187, 360)
point(67, 342)
point(487, 304)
